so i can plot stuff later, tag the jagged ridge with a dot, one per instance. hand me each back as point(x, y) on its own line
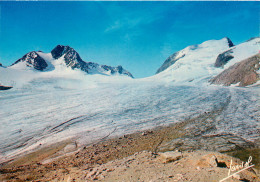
point(71, 59)
point(34, 60)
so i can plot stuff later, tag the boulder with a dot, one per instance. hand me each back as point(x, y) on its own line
point(170, 156)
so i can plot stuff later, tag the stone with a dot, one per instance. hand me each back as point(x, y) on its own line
point(213, 161)
point(170, 156)
point(209, 160)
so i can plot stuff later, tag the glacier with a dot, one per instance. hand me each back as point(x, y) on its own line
point(60, 104)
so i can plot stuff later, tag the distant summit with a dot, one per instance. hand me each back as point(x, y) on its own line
point(71, 59)
point(204, 61)
point(182, 53)
point(34, 60)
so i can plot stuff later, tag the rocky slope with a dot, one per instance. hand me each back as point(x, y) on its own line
point(242, 73)
point(41, 61)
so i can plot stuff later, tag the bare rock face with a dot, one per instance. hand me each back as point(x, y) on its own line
point(244, 73)
point(34, 60)
point(223, 58)
point(170, 61)
point(73, 60)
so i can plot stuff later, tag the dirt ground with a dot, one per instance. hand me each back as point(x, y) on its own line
point(133, 157)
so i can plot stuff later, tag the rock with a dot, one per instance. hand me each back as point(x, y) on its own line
point(208, 160)
point(34, 60)
point(223, 58)
point(242, 73)
point(213, 161)
point(144, 133)
point(110, 170)
point(170, 61)
point(92, 173)
point(73, 60)
point(170, 156)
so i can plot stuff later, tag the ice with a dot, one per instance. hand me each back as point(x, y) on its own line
point(49, 110)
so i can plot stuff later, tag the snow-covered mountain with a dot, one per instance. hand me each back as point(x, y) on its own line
point(33, 60)
point(203, 61)
point(73, 60)
point(223, 43)
point(67, 57)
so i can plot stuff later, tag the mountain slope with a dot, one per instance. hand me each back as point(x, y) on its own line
point(238, 53)
point(185, 52)
point(194, 62)
point(204, 61)
point(242, 73)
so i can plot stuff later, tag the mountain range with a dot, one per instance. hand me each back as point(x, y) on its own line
point(196, 63)
point(70, 58)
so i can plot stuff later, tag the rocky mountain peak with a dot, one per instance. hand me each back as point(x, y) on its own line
point(61, 50)
point(230, 43)
point(71, 59)
point(34, 60)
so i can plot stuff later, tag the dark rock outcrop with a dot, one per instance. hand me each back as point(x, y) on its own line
point(1, 65)
point(34, 60)
point(73, 60)
point(223, 58)
point(244, 73)
point(230, 43)
point(169, 61)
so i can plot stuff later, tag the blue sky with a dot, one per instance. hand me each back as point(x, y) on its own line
point(137, 35)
